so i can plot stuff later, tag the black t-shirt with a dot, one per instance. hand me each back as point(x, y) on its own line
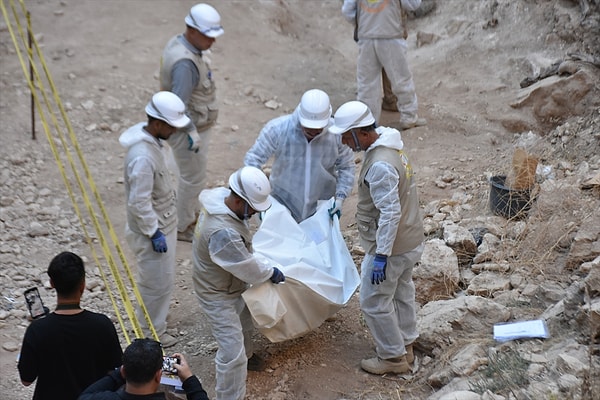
point(67, 353)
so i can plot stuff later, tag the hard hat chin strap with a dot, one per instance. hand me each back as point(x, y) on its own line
point(356, 142)
point(246, 211)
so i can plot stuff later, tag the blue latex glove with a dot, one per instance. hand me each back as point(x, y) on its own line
point(193, 141)
point(277, 276)
point(379, 264)
point(337, 208)
point(159, 242)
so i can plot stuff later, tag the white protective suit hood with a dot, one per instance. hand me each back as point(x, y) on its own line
point(136, 134)
point(388, 137)
point(213, 201)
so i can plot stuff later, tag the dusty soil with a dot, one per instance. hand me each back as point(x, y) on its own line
point(103, 57)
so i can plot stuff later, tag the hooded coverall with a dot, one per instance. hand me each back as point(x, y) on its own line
point(151, 205)
point(389, 223)
point(303, 172)
point(381, 43)
point(223, 268)
point(184, 72)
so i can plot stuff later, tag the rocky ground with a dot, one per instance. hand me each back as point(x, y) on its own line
point(492, 76)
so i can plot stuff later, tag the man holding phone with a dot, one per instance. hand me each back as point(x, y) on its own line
point(70, 348)
point(139, 376)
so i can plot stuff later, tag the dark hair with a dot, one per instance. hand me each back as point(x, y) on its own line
point(141, 359)
point(67, 272)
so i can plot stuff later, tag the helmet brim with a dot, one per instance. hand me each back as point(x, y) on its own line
point(263, 206)
point(340, 130)
point(179, 122)
point(337, 130)
point(314, 124)
point(213, 32)
point(210, 32)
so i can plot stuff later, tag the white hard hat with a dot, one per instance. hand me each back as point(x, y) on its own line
point(252, 185)
point(169, 108)
point(350, 115)
point(315, 109)
point(205, 19)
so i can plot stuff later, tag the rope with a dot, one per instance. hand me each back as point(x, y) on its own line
point(38, 90)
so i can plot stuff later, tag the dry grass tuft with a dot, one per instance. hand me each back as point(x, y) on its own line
point(504, 373)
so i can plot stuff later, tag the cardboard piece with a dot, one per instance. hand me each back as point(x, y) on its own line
point(522, 176)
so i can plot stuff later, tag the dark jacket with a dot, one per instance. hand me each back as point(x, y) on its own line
point(111, 388)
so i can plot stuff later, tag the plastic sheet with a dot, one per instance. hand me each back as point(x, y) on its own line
point(320, 274)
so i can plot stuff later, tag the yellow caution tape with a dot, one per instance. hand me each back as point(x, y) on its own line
point(38, 89)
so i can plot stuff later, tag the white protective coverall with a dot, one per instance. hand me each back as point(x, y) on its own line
point(185, 72)
point(223, 268)
point(151, 205)
point(303, 172)
point(389, 223)
point(381, 43)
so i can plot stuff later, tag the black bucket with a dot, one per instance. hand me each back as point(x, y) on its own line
point(507, 202)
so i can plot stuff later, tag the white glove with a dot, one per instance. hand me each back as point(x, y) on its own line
point(193, 141)
point(337, 207)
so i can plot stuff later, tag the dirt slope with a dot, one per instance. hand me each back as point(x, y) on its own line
point(103, 56)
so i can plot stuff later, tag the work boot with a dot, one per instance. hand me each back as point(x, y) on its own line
point(379, 366)
point(187, 235)
point(405, 125)
point(256, 363)
point(425, 8)
point(167, 340)
point(410, 355)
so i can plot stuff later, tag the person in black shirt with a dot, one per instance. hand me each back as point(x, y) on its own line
point(139, 376)
point(70, 348)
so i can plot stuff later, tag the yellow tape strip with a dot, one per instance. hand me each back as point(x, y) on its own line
point(37, 81)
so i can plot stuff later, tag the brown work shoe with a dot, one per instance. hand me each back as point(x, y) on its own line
point(405, 125)
point(167, 340)
point(187, 235)
point(379, 366)
point(425, 8)
point(410, 355)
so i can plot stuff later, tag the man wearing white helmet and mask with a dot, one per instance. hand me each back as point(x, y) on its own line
point(390, 228)
point(185, 71)
point(309, 163)
point(151, 206)
point(224, 267)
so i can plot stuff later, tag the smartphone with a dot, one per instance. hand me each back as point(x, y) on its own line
point(34, 303)
point(168, 363)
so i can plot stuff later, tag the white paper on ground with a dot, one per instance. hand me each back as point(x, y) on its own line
point(321, 276)
point(519, 330)
point(171, 380)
